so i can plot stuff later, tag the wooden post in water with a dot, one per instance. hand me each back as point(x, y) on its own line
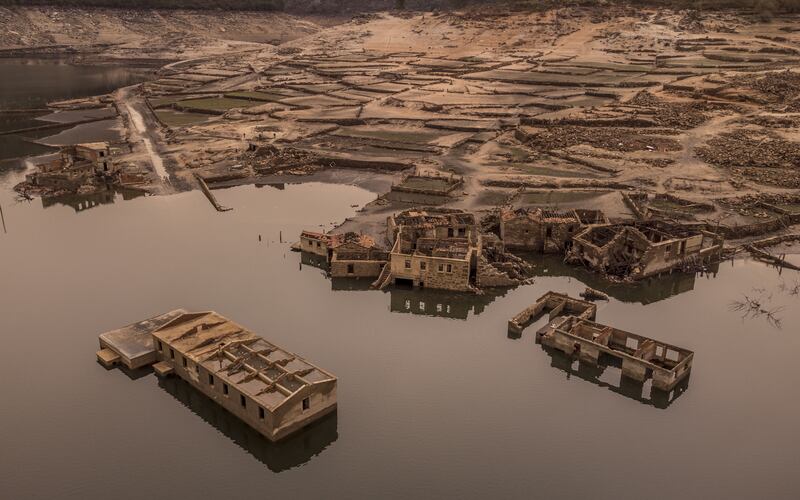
point(2, 217)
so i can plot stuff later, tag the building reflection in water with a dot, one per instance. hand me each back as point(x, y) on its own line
point(286, 454)
point(443, 303)
point(644, 292)
point(609, 368)
point(440, 303)
point(82, 202)
point(422, 301)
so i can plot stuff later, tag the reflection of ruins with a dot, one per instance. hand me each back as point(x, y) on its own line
point(424, 302)
point(286, 454)
point(607, 373)
point(645, 291)
point(648, 370)
point(81, 202)
point(318, 261)
point(440, 303)
point(436, 248)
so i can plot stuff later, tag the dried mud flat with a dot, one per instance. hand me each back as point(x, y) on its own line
point(597, 108)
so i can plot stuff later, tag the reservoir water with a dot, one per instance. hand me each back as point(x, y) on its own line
point(32, 83)
point(435, 399)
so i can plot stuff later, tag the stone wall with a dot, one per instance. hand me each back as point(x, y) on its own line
point(425, 271)
point(274, 426)
point(521, 233)
point(313, 245)
point(438, 276)
point(360, 268)
point(488, 276)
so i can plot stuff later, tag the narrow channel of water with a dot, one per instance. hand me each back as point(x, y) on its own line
point(434, 398)
point(29, 84)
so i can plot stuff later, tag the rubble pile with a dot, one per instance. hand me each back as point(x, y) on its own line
point(751, 205)
point(776, 121)
point(748, 148)
point(691, 22)
point(780, 87)
point(680, 115)
point(272, 160)
point(611, 139)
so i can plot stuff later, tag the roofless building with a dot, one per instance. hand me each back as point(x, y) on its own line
point(271, 389)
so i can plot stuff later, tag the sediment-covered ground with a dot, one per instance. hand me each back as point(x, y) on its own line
point(571, 107)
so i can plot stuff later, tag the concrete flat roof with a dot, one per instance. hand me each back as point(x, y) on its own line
point(134, 341)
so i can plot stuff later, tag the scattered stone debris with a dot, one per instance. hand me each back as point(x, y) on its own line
point(779, 88)
point(681, 115)
point(608, 138)
point(592, 295)
point(266, 159)
point(760, 156)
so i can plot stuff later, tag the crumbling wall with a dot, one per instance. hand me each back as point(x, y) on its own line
point(356, 268)
point(557, 236)
point(314, 244)
point(488, 276)
point(522, 233)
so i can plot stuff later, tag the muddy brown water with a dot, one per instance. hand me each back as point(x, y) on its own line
point(435, 399)
point(30, 83)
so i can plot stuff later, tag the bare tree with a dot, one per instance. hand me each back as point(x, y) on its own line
point(751, 307)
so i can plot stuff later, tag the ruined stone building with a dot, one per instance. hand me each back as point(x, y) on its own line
point(75, 166)
point(641, 249)
point(98, 154)
point(640, 358)
point(444, 249)
point(544, 231)
point(271, 389)
point(554, 305)
point(347, 255)
point(444, 263)
point(433, 222)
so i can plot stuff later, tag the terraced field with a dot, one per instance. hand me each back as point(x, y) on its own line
point(545, 101)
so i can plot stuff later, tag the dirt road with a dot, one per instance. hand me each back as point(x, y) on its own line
point(143, 133)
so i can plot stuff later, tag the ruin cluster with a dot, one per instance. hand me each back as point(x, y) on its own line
point(448, 249)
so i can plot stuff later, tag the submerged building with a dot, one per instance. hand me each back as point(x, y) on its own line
point(544, 231)
point(271, 389)
point(640, 358)
point(347, 255)
point(444, 249)
point(75, 165)
point(571, 329)
point(436, 248)
point(641, 249)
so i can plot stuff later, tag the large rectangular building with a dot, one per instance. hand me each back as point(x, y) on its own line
point(271, 389)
